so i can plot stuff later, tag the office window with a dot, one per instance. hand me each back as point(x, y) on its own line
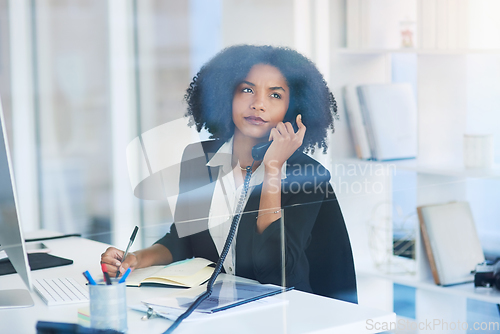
point(162, 52)
point(70, 48)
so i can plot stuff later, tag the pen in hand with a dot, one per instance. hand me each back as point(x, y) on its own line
point(132, 238)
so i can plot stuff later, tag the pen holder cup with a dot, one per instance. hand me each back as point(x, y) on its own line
point(108, 306)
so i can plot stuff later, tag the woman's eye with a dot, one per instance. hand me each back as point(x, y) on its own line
point(246, 90)
point(276, 95)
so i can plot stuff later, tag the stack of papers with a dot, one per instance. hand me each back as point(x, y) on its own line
point(226, 295)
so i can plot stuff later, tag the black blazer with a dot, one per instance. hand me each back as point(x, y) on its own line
point(318, 254)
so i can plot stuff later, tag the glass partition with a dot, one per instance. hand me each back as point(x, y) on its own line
point(174, 40)
point(104, 72)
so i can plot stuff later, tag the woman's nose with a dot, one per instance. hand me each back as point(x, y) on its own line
point(258, 103)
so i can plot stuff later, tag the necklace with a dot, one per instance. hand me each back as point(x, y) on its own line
point(242, 168)
point(245, 168)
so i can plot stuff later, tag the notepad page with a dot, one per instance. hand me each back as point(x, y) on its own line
point(191, 272)
point(185, 268)
point(190, 281)
point(138, 275)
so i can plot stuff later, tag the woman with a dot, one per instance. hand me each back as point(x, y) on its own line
point(244, 96)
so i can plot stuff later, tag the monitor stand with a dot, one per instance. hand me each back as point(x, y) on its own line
point(15, 298)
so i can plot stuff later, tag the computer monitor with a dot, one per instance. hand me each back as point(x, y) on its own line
point(11, 234)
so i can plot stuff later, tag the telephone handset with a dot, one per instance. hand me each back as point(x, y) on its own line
point(259, 150)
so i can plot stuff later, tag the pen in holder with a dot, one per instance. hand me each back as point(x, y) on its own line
point(108, 306)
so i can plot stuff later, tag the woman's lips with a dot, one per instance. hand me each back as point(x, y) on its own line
point(255, 120)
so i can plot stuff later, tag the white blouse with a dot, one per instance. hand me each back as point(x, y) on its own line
point(225, 199)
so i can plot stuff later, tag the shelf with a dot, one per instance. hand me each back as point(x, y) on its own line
point(349, 51)
point(413, 165)
point(466, 290)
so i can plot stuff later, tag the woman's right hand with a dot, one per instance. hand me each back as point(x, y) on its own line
point(113, 257)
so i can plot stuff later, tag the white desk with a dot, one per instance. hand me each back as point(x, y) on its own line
point(304, 313)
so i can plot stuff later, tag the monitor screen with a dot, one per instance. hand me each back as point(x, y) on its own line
point(11, 236)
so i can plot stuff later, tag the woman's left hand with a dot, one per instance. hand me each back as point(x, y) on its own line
point(285, 142)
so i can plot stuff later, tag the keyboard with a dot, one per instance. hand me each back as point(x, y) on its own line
point(61, 291)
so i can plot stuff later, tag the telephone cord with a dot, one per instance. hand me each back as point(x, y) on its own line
point(225, 250)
